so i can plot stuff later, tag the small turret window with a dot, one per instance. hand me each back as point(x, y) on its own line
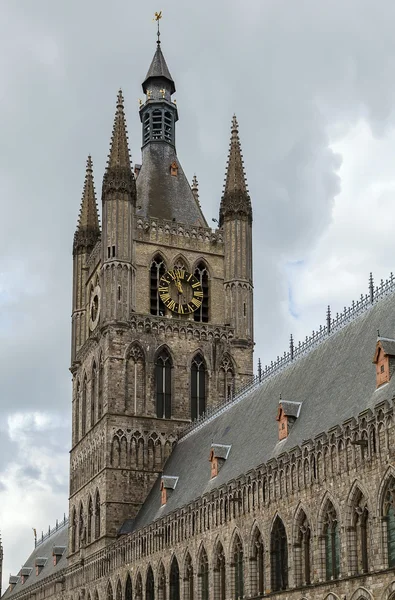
point(157, 128)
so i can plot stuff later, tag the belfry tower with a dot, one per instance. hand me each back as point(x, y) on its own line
point(162, 315)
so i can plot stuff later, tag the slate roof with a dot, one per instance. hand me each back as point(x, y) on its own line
point(335, 381)
point(388, 345)
point(43, 550)
point(158, 68)
point(162, 195)
point(291, 409)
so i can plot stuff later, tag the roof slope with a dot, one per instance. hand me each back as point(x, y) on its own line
point(334, 382)
point(43, 550)
point(158, 68)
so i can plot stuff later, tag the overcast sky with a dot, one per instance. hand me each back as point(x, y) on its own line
point(313, 86)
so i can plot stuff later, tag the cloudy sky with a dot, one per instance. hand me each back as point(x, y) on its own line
point(313, 86)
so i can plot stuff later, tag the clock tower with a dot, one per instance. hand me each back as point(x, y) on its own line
point(162, 316)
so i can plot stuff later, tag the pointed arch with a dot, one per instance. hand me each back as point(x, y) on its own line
point(358, 529)
point(226, 378)
point(139, 587)
point(119, 590)
point(77, 413)
point(257, 564)
point(279, 555)
point(149, 584)
point(81, 525)
point(188, 578)
point(387, 511)
point(157, 269)
point(361, 594)
point(161, 582)
point(73, 529)
point(302, 547)
point(97, 515)
point(163, 377)
point(174, 580)
point(135, 379)
point(110, 592)
point(219, 572)
point(203, 574)
point(100, 387)
point(90, 519)
point(128, 588)
point(83, 404)
point(237, 558)
point(93, 393)
point(201, 273)
point(329, 527)
point(180, 262)
point(198, 386)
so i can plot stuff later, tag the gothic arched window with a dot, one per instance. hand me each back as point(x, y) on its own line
point(81, 533)
point(119, 591)
point(128, 588)
point(97, 515)
point(332, 542)
point(135, 373)
point(93, 394)
point(77, 414)
point(219, 574)
point(279, 556)
point(158, 268)
point(238, 562)
point(174, 580)
point(110, 593)
point(303, 550)
point(359, 533)
point(100, 389)
point(226, 380)
point(83, 407)
point(139, 588)
point(198, 387)
point(162, 583)
point(188, 578)
point(150, 585)
point(90, 519)
point(389, 514)
point(203, 576)
point(73, 529)
point(201, 273)
point(163, 368)
point(257, 564)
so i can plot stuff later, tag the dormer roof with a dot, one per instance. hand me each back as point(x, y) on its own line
point(387, 345)
point(290, 408)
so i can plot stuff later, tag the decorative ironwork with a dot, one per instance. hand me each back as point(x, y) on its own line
point(44, 536)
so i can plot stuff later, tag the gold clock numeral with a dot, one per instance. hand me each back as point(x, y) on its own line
point(180, 309)
point(195, 285)
point(171, 304)
point(189, 278)
point(198, 294)
point(163, 289)
point(165, 297)
point(197, 303)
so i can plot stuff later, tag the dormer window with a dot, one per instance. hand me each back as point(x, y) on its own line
point(57, 553)
point(218, 455)
point(25, 572)
point(13, 580)
point(287, 414)
point(40, 564)
point(384, 359)
point(167, 485)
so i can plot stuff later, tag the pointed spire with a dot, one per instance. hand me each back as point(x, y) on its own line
point(158, 69)
point(88, 227)
point(195, 189)
point(235, 199)
point(118, 175)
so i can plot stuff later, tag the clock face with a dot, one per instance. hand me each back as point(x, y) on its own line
point(94, 308)
point(180, 291)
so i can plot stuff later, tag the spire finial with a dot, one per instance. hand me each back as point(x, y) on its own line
point(157, 18)
point(195, 188)
point(88, 227)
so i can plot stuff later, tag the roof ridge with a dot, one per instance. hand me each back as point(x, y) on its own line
point(333, 325)
point(45, 536)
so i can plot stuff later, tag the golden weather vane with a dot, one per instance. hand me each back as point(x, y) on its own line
point(157, 18)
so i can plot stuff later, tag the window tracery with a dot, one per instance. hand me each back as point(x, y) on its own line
point(163, 369)
point(279, 556)
point(158, 268)
point(198, 387)
point(202, 313)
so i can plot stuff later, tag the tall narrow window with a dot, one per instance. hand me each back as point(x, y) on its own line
point(198, 387)
point(158, 269)
point(90, 519)
point(73, 529)
point(135, 370)
point(162, 583)
point(128, 589)
point(83, 407)
point(110, 593)
point(93, 394)
point(119, 590)
point(188, 579)
point(174, 580)
point(203, 576)
point(81, 530)
point(146, 128)
point(389, 513)
point(157, 126)
point(139, 588)
point(168, 127)
point(219, 574)
point(359, 534)
point(332, 543)
point(226, 380)
point(100, 389)
point(238, 569)
point(97, 516)
point(302, 550)
point(163, 385)
point(77, 414)
point(201, 314)
point(257, 565)
point(150, 585)
point(279, 556)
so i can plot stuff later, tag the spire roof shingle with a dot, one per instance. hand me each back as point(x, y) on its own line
point(158, 68)
point(88, 227)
